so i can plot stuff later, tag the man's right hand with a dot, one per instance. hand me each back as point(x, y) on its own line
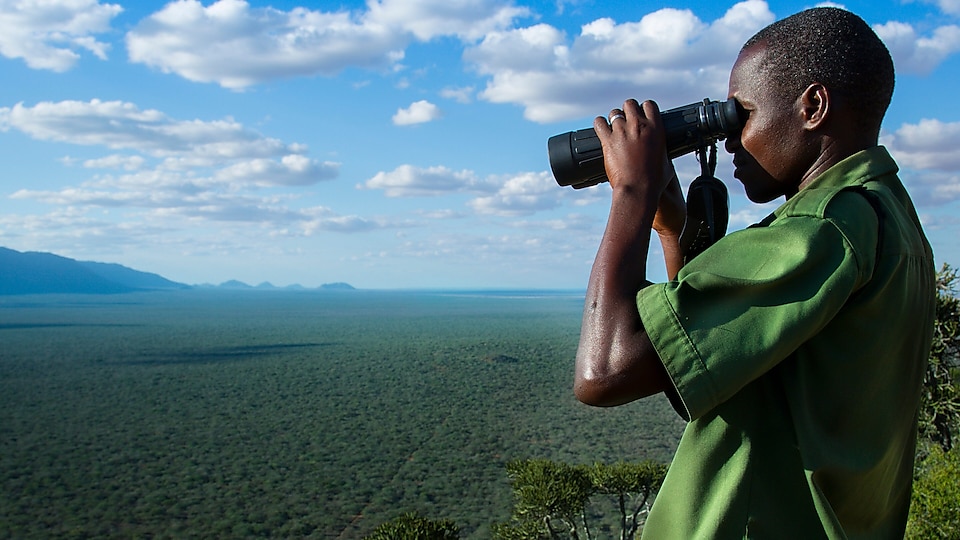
point(635, 157)
point(634, 147)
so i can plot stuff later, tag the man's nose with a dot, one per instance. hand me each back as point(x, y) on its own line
point(732, 143)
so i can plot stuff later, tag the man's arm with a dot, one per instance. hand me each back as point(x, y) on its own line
point(616, 363)
point(669, 222)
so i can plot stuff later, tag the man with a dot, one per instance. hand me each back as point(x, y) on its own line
point(796, 347)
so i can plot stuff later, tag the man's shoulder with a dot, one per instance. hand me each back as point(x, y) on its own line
point(847, 210)
point(842, 193)
point(827, 202)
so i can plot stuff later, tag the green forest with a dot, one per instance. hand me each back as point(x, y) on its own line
point(349, 415)
point(200, 414)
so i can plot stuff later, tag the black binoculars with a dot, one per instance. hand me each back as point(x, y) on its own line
point(576, 157)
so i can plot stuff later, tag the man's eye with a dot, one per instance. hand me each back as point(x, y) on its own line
point(744, 114)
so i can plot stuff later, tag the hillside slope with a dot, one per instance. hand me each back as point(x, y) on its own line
point(44, 273)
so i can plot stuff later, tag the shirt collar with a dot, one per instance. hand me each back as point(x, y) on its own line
point(856, 170)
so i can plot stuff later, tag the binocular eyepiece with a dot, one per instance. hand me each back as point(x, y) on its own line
point(576, 157)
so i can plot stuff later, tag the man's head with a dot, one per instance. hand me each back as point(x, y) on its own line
point(833, 47)
point(814, 87)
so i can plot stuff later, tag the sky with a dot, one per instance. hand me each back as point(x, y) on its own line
point(387, 143)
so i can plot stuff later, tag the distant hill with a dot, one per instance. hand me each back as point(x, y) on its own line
point(43, 273)
point(132, 278)
point(267, 286)
point(234, 284)
point(339, 286)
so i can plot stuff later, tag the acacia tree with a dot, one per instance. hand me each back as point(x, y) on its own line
point(552, 498)
point(940, 401)
point(935, 504)
point(412, 526)
point(634, 485)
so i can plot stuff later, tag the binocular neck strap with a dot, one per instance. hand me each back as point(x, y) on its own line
point(708, 164)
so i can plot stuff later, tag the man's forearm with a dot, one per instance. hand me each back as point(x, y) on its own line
point(672, 254)
point(614, 363)
point(620, 266)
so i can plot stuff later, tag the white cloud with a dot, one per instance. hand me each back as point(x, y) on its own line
point(47, 34)
point(236, 45)
point(517, 195)
point(520, 195)
point(950, 7)
point(932, 188)
point(581, 224)
point(410, 181)
point(539, 246)
point(669, 55)
point(929, 144)
point(291, 170)
point(183, 171)
point(427, 19)
point(918, 54)
point(91, 194)
point(115, 161)
point(123, 126)
point(927, 153)
point(155, 180)
point(554, 79)
point(181, 202)
point(441, 214)
point(521, 49)
point(659, 39)
point(945, 189)
point(71, 230)
point(417, 113)
point(463, 94)
point(344, 224)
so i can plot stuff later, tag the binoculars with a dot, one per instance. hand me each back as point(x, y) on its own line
point(576, 157)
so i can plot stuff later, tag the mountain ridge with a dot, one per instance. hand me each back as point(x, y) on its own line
point(34, 272)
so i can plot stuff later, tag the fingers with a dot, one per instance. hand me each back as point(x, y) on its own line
point(606, 124)
point(632, 111)
point(632, 122)
point(650, 111)
point(602, 126)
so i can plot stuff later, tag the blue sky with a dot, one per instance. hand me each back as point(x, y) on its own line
point(387, 143)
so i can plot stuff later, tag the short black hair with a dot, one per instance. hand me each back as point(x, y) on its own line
point(833, 47)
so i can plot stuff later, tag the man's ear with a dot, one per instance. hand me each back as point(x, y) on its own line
point(815, 105)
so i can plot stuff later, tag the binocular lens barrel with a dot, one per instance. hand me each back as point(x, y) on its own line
point(576, 157)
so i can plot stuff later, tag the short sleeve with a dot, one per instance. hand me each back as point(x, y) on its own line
point(746, 304)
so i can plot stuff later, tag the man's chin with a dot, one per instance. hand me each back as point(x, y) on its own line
point(760, 198)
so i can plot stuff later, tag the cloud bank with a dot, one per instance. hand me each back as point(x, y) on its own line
point(47, 35)
point(235, 45)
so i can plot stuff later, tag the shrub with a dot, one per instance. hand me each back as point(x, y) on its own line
point(935, 507)
point(412, 526)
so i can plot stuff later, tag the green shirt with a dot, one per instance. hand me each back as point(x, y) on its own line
point(797, 349)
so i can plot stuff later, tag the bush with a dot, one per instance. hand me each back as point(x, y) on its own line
point(412, 526)
point(935, 507)
point(940, 400)
point(552, 497)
